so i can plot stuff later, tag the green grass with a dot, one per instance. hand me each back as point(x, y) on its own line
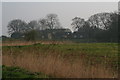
point(16, 72)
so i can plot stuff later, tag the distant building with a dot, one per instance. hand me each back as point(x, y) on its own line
point(17, 35)
point(54, 33)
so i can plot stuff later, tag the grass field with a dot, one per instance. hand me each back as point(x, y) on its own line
point(73, 60)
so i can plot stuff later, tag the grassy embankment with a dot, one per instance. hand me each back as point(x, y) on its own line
point(76, 60)
point(16, 72)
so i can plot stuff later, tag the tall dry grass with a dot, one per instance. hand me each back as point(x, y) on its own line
point(20, 43)
point(55, 65)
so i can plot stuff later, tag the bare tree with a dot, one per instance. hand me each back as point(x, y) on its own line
point(17, 25)
point(53, 22)
point(77, 23)
point(50, 22)
point(43, 24)
point(33, 25)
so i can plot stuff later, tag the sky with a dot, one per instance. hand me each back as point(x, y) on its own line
point(66, 11)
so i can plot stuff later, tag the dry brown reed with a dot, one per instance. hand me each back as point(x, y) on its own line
point(20, 43)
point(55, 65)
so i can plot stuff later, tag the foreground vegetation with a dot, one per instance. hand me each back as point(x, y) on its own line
point(82, 60)
point(16, 72)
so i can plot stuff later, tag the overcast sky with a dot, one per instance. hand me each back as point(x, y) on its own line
point(28, 11)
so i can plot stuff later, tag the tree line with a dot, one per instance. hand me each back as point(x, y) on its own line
point(100, 27)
